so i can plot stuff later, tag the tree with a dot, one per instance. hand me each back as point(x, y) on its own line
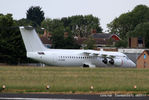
point(128, 21)
point(79, 25)
point(70, 42)
point(75, 26)
point(121, 43)
point(141, 30)
point(57, 29)
point(82, 25)
point(51, 25)
point(58, 38)
point(61, 42)
point(90, 43)
point(36, 15)
point(12, 49)
point(24, 22)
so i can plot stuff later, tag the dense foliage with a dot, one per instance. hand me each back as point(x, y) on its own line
point(79, 25)
point(36, 15)
point(12, 49)
point(127, 23)
point(90, 43)
point(61, 42)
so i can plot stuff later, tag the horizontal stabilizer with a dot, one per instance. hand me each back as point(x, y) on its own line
point(28, 27)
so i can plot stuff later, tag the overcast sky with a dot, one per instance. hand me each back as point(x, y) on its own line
point(105, 10)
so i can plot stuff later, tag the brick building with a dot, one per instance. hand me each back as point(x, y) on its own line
point(105, 39)
point(135, 42)
point(46, 39)
point(143, 60)
point(101, 39)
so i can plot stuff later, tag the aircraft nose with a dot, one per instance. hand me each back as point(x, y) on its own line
point(132, 64)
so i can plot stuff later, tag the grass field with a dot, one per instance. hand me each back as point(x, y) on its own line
point(73, 80)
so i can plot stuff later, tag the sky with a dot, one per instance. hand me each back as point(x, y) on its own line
point(105, 10)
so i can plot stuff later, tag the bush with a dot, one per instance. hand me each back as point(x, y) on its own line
point(121, 43)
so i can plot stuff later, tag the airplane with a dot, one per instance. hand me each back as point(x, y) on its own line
point(66, 57)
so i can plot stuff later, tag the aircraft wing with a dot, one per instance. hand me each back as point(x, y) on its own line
point(87, 53)
point(96, 53)
point(107, 56)
point(91, 53)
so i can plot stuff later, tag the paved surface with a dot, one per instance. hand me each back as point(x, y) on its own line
point(70, 97)
point(133, 56)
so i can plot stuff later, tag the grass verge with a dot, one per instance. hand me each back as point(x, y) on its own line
point(21, 79)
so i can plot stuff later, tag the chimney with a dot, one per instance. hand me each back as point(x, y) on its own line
point(93, 31)
point(65, 34)
point(45, 33)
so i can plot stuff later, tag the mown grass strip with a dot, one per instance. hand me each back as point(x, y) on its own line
point(68, 79)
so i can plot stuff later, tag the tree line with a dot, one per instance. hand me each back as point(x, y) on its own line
point(134, 23)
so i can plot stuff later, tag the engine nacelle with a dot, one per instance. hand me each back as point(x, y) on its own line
point(105, 60)
point(116, 62)
point(112, 61)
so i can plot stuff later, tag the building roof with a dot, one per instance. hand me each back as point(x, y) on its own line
point(103, 35)
point(147, 51)
point(97, 40)
point(81, 40)
point(100, 39)
point(103, 41)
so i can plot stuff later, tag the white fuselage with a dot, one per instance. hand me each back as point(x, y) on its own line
point(61, 57)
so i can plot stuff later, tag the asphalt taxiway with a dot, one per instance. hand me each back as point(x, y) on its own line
point(10, 96)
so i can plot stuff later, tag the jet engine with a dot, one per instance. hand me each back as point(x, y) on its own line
point(112, 61)
point(105, 60)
